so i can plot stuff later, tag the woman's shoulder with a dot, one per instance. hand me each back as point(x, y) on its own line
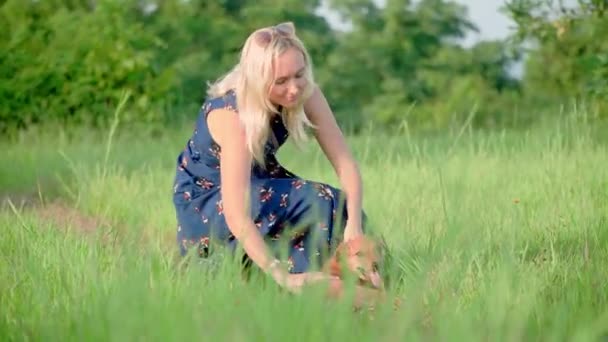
point(221, 117)
point(223, 101)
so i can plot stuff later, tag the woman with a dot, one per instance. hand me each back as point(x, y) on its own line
point(229, 186)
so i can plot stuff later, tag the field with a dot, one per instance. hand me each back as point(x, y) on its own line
point(495, 235)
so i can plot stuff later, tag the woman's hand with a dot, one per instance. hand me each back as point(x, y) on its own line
point(295, 282)
point(352, 231)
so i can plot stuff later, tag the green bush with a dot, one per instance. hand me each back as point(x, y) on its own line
point(72, 65)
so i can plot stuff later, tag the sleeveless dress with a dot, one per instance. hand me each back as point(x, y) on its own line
point(298, 218)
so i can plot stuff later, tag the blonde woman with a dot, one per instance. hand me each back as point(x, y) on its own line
point(229, 185)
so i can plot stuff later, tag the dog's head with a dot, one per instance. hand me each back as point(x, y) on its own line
point(362, 257)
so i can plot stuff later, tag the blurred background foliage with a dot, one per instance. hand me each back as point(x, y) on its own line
point(400, 65)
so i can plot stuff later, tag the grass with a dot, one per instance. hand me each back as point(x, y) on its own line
point(493, 236)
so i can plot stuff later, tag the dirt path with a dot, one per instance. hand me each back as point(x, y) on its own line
point(63, 216)
point(56, 212)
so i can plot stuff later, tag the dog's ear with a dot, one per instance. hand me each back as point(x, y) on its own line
point(333, 267)
point(333, 264)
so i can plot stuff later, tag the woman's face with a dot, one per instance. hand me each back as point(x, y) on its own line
point(289, 83)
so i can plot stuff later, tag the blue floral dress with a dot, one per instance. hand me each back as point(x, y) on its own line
point(301, 214)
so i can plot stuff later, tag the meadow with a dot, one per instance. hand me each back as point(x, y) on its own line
point(492, 235)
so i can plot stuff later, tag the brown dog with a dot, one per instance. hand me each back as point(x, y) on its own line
point(361, 257)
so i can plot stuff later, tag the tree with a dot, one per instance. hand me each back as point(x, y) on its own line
point(378, 66)
point(567, 58)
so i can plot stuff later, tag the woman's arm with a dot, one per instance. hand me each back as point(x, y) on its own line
point(235, 159)
point(333, 144)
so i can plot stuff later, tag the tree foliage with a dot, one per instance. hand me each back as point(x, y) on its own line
point(566, 47)
point(402, 63)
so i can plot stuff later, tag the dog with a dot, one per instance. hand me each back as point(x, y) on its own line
point(361, 257)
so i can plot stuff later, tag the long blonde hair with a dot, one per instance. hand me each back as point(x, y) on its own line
point(251, 80)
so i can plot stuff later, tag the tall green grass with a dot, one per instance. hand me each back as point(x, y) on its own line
point(492, 236)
